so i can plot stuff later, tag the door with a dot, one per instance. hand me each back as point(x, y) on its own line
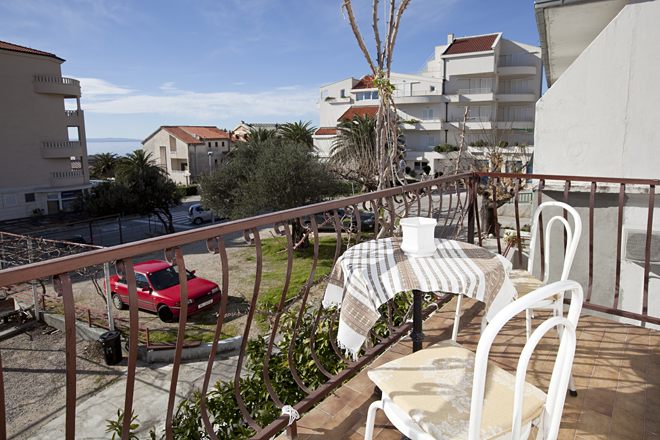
point(144, 296)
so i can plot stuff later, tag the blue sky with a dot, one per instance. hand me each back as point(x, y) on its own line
point(146, 63)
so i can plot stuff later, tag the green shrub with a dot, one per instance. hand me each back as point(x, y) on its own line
point(188, 190)
point(445, 148)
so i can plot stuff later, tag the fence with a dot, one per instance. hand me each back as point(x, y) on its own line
point(454, 201)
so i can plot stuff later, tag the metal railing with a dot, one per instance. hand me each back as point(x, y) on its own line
point(456, 201)
point(475, 91)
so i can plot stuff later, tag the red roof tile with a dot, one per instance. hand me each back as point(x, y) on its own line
point(471, 44)
point(206, 132)
point(367, 110)
point(192, 134)
point(16, 48)
point(367, 82)
point(326, 131)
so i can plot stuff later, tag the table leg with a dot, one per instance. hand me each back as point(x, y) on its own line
point(417, 335)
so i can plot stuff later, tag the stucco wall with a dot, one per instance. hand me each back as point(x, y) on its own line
point(27, 119)
point(602, 114)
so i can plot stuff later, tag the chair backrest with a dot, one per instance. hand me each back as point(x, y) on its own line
point(572, 238)
point(563, 362)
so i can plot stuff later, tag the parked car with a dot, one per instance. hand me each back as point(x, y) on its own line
point(325, 223)
point(158, 290)
point(198, 215)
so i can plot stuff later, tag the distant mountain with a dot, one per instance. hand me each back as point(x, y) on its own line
point(113, 140)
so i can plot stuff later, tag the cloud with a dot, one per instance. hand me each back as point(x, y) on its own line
point(282, 102)
point(95, 87)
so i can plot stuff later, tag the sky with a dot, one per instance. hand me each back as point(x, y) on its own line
point(147, 63)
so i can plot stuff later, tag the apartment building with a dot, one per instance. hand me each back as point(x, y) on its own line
point(42, 134)
point(497, 79)
point(188, 152)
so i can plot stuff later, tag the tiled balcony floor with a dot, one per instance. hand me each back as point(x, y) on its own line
point(616, 369)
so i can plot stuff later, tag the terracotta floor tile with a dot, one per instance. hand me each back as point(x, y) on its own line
point(615, 369)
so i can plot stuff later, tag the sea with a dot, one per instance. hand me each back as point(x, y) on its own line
point(119, 146)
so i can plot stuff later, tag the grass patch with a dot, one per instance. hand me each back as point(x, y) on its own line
point(275, 259)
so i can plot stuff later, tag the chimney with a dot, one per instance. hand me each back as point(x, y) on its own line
point(450, 38)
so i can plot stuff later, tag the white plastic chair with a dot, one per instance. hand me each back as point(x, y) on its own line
point(523, 280)
point(448, 392)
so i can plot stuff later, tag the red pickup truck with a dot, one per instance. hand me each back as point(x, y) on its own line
point(158, 290)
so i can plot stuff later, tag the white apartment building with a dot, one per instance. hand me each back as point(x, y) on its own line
point(499, 80)
point(42, 134)
point(188, 152)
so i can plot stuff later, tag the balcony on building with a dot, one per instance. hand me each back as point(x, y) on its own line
point(57, 85)
point(61, 149)
point(74, 117)
point(519, 64)
point(67, 178)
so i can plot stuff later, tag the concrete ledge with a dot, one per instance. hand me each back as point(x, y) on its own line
point(202, 351)
point(82, 329)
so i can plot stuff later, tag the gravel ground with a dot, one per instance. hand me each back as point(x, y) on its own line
point(34, 377)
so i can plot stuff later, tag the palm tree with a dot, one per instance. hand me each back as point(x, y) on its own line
point(154, 192)
point(260, 135)
point(354, 153)
point(104, 165)
point(299, 132)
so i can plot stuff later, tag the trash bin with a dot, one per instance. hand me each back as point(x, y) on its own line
point(111, 343)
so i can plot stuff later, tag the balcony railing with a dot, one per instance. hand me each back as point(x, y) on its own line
point(58, 85)
point(60, 149)
point(475, 91)
point(455, 201)
point(66, 177)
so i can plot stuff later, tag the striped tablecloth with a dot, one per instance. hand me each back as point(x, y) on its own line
point(371, 273)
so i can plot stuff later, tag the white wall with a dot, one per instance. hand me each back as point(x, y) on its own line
point(603, 111)
point(331, 110)
point(600, 118)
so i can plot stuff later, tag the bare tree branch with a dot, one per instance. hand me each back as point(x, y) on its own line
point(374, 24)
point(356, 31)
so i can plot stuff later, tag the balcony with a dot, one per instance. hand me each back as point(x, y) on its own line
point(66, 178)
point(402, 97)
point(516, 70)
point(516, 97)
point(57, 85)
point(515, 125)
point(74, 117)
point(428, 125)
point(616, 365)
point(471, 95)
point(61, 149)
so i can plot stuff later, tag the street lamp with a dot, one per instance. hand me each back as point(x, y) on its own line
point(210, 153)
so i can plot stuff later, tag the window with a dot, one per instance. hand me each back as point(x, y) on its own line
point(29, 197)
point(342, 93)
point(361, 96)
point(74, 134)
point(223, 143)
point(432, 88)
point(427, 114)
point(141, 281)
point(216, 143)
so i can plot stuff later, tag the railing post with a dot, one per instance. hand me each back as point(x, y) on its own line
point(417, 335)
point(470, 209)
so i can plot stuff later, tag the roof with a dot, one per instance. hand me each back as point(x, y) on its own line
point(151, 266)
point(367, 82)
point(192, 134)
point(326, 131)
point(567, 27)
point(366, 110)
point(23, 49)
point(471, 44)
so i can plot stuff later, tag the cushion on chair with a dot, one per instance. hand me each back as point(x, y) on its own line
point(525, 282)
point(434, 387)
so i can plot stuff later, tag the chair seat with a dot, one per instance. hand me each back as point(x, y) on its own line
point(434, 388)
point(525, 282)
